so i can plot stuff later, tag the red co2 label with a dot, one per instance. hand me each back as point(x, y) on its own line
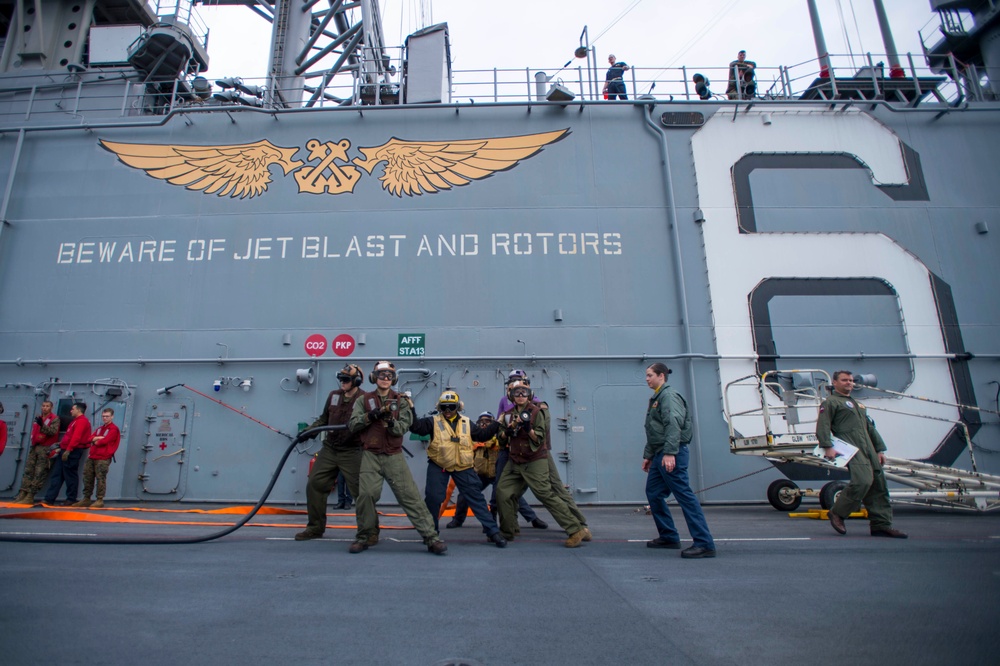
point(315, 345)
point(343, 345)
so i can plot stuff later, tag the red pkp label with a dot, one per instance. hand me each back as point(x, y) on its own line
point(343, 345)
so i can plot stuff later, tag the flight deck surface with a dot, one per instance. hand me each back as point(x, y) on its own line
point(781, 591)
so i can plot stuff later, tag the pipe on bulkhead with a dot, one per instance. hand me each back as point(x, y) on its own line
point(668, 190)
point(10, 180)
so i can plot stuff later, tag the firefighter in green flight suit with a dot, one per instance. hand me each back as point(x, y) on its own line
point(846, 418)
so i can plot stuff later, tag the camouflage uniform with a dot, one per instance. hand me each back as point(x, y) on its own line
point(95, 470)
point(38, 464)
point(106, 440)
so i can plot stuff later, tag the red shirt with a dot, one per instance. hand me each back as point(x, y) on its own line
point(77, 435)
point(39, 438)
point(3, 435)
point(104, 448)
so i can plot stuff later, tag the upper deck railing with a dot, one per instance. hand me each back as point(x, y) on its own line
point(184, 13)
point(102, 95)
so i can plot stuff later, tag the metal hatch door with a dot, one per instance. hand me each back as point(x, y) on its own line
point(15, 420)
point(162, 470)
point(123, 419)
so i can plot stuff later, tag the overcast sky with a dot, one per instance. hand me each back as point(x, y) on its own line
point(653, 34)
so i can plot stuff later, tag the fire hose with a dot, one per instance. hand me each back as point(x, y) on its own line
point(302, 436)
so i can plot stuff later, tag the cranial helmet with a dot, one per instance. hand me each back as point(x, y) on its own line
point(379, 367)
point(516, 374)
point(449, 397)
point(488, 415)
point(351, 373)
point(516, 384)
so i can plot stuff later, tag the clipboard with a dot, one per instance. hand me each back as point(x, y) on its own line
point(845, 451)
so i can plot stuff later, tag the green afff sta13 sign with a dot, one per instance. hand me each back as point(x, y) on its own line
point(412, 344)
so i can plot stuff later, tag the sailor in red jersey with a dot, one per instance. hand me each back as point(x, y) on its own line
point(102, 451)
point(66, 465)
point(3, 432)
point(44, 433)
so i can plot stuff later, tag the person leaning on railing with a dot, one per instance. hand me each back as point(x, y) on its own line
point(614, 81)
point(741, 78)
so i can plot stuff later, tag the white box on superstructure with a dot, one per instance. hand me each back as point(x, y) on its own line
point(109, 44)
point(428, 66)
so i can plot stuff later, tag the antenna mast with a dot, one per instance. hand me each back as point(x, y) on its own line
point(318, 43)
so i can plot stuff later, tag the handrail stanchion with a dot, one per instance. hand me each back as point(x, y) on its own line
point(954, 73)
point(173, 94)
point(974, 78)
point(916, 81)
point(128, 84)
point(79, 92)
point(31, 102)
point(871, 69)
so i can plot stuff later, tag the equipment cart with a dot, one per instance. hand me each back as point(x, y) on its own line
point(774, 415)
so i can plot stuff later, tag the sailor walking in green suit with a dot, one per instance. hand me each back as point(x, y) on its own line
point(846, 418)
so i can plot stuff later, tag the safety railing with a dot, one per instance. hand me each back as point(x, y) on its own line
point(118, 93)
point(182, 11)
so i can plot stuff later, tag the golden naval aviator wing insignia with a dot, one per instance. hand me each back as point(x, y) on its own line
point(418, 167)
point(234, 170)
point(412, 167)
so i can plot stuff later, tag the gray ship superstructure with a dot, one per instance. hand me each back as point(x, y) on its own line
point(171, 249)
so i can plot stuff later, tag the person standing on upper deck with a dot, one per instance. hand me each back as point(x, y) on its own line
point(741, 78)
point(846, 418)
point(614, 80)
